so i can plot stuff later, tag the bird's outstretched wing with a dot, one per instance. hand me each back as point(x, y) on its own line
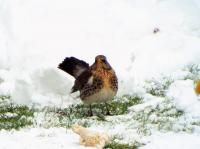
point(73, 66)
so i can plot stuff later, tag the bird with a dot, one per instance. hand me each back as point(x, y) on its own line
point(96, 83)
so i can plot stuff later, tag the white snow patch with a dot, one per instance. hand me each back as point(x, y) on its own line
point(173, 141)
point(151, 101)
point(183, 94)
point(40, 138)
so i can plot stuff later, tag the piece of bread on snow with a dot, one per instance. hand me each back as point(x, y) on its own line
point(89, 137)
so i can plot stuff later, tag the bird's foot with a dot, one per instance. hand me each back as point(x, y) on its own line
point(90, 113)
point(108, 113)
point(107, 109)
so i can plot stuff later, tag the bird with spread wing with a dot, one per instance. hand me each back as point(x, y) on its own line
point(96, 83)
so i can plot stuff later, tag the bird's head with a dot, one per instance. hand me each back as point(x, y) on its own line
point(102, 62)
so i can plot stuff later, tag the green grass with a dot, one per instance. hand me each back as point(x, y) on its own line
point(14, 116)
point(158, 87)
point(118, 106)
point(162, 118)
point(194, 72)
point(79, 113)
point(115, 145)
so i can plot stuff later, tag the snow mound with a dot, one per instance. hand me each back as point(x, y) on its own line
point(183, 94)
point(44, 86)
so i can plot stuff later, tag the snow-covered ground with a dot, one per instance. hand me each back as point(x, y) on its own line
point(36, 35)
point(40, 138)
point(173, 141)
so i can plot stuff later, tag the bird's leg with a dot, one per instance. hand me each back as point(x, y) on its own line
point(107, 109)
point(90, 110)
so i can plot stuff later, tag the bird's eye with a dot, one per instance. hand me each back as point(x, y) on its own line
point(103, 60)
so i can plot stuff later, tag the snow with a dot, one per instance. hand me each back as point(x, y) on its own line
point(40, 138)
point(173, 141)
point(151, 101)
point(183, 94)
point(35, 36)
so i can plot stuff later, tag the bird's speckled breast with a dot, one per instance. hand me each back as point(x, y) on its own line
point(109, 79)
point(103, 88)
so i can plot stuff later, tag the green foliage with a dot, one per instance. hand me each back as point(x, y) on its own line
point(162, 117)
point(13, 116)
point(194, 72)
point(197, 123)
point(79, 112)
point(3, 97)
point(118, 106)
point(158, 87)
point(115, 145)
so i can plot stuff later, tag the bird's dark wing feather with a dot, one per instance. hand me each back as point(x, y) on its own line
point(81, 81)
point(73, 66)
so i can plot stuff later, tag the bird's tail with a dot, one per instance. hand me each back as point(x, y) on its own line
point(73, 66)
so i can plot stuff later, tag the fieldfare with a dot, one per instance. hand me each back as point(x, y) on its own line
point(96, 83)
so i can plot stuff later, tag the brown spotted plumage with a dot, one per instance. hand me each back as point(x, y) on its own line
point(96, 83)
